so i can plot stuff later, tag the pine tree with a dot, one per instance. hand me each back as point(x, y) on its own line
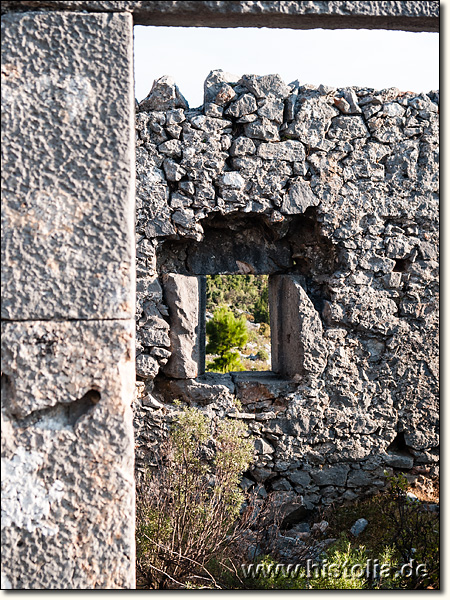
point(226, 334)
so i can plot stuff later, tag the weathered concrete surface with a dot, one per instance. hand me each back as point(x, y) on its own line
point(406, 15)
point(68, 297)
point(67, 166)
point(67, 455)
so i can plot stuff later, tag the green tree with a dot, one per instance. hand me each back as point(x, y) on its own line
point(246, 293)
point(261, 307)
point(226, 333)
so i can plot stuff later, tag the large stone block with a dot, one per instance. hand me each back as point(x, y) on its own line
point(182, 295)
point(405, 15)
point(298, 347)
point(67, 455)
point(68, 166)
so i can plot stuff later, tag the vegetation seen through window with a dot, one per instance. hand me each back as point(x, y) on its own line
point(237, 323)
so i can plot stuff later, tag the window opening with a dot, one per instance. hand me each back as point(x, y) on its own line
point(237, 323)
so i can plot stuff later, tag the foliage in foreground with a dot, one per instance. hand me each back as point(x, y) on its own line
point(398, 550)
point(187, 511)
point(226, 333)
point(191, 534)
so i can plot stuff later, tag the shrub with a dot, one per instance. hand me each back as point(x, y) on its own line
point(414, 533)
point(247, 293)
point(398, 524)
point(262, 354)
point(188, 509)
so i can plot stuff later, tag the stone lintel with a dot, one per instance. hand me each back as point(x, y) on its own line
point(394, 15)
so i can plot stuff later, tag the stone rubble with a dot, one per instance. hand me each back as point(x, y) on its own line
point(341, 187)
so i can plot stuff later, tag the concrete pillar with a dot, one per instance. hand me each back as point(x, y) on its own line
point(68, 301)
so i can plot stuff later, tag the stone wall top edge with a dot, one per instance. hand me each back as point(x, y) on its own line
point(406, 16)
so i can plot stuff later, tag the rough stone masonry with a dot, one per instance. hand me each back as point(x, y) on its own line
point(334, 194)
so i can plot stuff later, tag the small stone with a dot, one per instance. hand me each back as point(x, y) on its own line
point(358, 527)
point(261, 474)
point(213, 110)
point(262, 129)
point(217, 89)
point(262, 447)
point(399, 461)
point(247, 118)
point(298, 198)
point(343, 105)
point(265, 86)
point(272, 109)
point(348, 103)
point(392, 109)
point(290, 150)
point(171, 148)
point(175, 117)
point(335, 475)
point(173, 171)
point(242, 146)
point(185, 217)
point(187, 187)
point(232, 180)
point(174, 131)
point(348, 128)
point(164, 95)
point(281, 484)
point(209, 124)
point(146, 366)
point(300, 478)
point(321, 527)
point(244, 106)
point(151, 402)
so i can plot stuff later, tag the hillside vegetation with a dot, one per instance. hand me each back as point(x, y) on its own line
point(236, 303)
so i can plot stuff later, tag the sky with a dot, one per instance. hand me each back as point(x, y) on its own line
point(339, 58)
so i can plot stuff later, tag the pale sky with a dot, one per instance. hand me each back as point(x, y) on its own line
point(365, 58)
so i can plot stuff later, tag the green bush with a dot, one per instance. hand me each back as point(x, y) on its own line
point(188, 508)
point(225, 334)
point(399, 524)
point(262, 354)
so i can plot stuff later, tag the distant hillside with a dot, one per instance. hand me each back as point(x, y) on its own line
point(242, 293)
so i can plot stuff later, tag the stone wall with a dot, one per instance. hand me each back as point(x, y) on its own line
point(334, 194)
